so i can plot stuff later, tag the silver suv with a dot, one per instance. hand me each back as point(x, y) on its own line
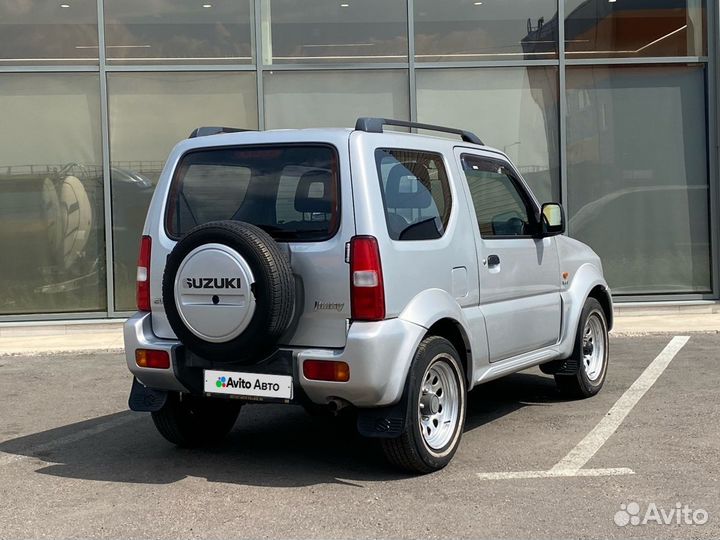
point(384, 273)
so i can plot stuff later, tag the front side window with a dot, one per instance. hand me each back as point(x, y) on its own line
point(416, 193)
point(289, 191)
point(502, 209)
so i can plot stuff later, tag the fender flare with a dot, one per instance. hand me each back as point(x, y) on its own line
point(434, 305)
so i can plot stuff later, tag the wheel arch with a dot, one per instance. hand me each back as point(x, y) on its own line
point(602, 295)
point(441, 315)
point(453, 331)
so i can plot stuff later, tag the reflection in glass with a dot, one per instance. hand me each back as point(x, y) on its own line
point(167, 32)
point(467, 30)
point(632, 28)
point(44, 33)
point(51, 194)
point(149, 114)
point(333, 98)
point(512, 109)
point(637, 175)
point(320, 31)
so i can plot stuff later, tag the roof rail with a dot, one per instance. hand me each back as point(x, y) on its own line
point(375, 125)
point(214, 130)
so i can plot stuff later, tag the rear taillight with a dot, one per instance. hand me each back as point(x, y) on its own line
point(143, 274)
point(367, 292)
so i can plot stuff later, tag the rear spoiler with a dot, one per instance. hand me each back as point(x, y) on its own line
point(214, 130)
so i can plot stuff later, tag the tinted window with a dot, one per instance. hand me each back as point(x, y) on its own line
point(46, 33)
point(416, 193)
point(462, 31)
point(290, 192)
point(171, 32)
point(500, 208)
point(318, 31)
point(635, 28)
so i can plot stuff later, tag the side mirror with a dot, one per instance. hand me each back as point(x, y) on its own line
point(553, 219)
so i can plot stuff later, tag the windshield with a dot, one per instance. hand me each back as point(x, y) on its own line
point(290, 191)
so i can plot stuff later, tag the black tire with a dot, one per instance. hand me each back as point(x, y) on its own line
point(274, 291)
point(411, 450)
point(194, 420)
point(573, 379)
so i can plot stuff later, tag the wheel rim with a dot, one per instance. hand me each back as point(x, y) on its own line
point(439, 403)
point(594, 346)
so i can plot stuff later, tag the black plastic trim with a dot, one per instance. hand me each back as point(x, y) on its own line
point(190, 372)
point(385, 422)
point(375, 125)
point(144, 399)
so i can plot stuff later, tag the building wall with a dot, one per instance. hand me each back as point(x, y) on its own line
point(611, 111)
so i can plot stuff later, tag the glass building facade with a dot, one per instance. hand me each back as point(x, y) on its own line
point(609, 106)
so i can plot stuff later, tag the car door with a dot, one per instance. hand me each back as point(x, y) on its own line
point(519, 273)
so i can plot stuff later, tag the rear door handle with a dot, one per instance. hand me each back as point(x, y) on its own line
point(493, 260)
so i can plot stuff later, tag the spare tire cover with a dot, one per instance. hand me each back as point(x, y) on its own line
point(228, 291)
point(77, 219)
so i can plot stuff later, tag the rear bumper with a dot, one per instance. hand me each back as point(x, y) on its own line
point(378, 353)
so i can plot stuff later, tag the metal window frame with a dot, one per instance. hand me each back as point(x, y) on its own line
point(711, 63)
point(107, 184)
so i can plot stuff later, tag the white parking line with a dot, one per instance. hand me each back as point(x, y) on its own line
point(554, 473)
point(593, 441)
point(572, 463)
point(7, 459)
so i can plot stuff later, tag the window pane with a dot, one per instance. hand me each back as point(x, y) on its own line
point(457, 30)
point(51, 194)
point(632, 28)
point(416, 193)
point(499, 206)
point(333, 98)
point(45, 33)
point(149, 114)
point(512, 109)
point(289, 191)
point(162, 32)
point(637, 174)
point(315, 31)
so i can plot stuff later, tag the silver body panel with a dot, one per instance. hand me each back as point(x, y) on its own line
point(515, 315)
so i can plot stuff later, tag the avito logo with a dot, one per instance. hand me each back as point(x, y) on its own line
point(631, 514)
point(239, 382)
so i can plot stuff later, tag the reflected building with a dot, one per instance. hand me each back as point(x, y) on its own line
point(616, 121)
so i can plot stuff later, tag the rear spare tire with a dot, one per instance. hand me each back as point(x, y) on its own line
point(228, 291)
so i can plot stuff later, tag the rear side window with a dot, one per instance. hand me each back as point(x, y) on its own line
point(290, 191)
point(416, 194)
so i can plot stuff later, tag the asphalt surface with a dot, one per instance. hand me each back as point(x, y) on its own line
point(75, 463)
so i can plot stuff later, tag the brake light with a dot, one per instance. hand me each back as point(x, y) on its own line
point(149, 358)
point(367, 292)
point(326, 370)
point(143, 274)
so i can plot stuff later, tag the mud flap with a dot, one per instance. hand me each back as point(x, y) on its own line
point(144, 399)
point(385, 422)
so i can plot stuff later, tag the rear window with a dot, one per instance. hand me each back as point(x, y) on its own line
point(290, 191)
point(416, 194)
